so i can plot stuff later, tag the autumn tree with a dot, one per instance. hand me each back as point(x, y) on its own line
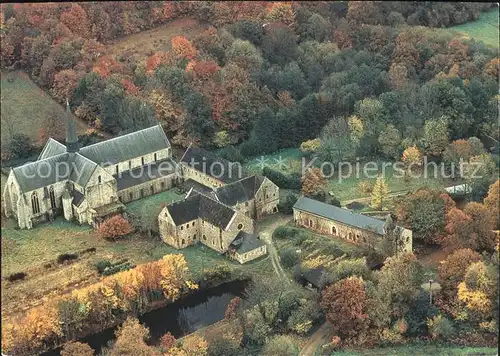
point(183, 48)
point(76, 20)
point(424, 212)
point(281, 12)
point(313, 182)
point(452, 270)
point(195, 345)
point(167, 341)
point(64, 84)
point(482, 237)
point(345, 303)
point(115, 227)
point(379, 194)
point(75, 348)
point(175, 276)
point(131, 340)
point(411, 157)
point(492, 201)
point(232, 308)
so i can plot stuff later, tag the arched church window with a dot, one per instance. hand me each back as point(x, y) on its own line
point(35, 204)
point(52, 197)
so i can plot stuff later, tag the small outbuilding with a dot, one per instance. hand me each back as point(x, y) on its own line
point(247, 247)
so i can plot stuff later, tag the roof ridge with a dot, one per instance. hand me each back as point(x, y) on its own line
point(117, 137)
point(41, 160)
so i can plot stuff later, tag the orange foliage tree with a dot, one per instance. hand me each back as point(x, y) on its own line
point(492, 201)
point(313, 182)
point(452, 270)
point(106, 65)
point(167, 341)
point(345, 304)
point(115, 227)
point(64, 84)
point(76, 20)
point(281, 12)
point(183, 48)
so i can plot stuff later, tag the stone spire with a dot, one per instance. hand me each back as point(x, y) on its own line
point(71, 136)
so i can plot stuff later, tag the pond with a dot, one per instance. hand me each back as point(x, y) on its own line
point(180, 318)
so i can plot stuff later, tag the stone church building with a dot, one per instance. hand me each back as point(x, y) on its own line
point(357, 228)
point(89, 183)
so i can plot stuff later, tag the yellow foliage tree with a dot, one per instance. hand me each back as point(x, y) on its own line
point(281, 12)
point(379, 194)
point(174, 272)
point(310, 146)
point(195, 345)
point(412, 156)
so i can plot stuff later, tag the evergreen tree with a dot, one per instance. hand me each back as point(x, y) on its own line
point(379, 194)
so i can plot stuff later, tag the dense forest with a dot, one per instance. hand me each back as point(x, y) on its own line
point(367, 75)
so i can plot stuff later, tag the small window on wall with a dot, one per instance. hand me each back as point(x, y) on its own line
point(204, 238)
point(310, 223)
point(194, 237)
point(129, 165)
point(240, 226)
point(117, 171)
point(130, 196)
point(182, 227)
point(358, 237)
point(183, 241)
point(334, 230)
point(99, 179)
point(156, 157)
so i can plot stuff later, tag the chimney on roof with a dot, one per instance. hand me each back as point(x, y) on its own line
point(71, 136)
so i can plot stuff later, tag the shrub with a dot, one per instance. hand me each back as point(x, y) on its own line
point(75, 348)
point(16, 276)
point(282, 180)
point(352, 267)
point(66, 257)
point(365, 187)
point(102, 265)
point(281, 232)
point(115, 227)
point(440, 327)
point(88, 250)
point(289, 257)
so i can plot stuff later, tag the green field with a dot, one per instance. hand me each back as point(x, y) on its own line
point(26, 108)
point(421, 350)
point(150, 207)
point(484, 29)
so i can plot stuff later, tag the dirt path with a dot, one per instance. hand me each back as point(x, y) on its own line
point(322, 336)
point(265, 228)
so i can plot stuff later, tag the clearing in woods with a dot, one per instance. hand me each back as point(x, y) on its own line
point(26, 108)
point(483, 29)
point(143, 44)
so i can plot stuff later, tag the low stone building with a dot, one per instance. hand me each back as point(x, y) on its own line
point(331, 220)
point(199, 218)
point(246, 247)
point(208, 169)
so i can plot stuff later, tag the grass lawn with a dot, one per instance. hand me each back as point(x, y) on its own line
point(412, 350)
point(348, 188)
point(26, 108)
point(484, 29)
point(150, 207)
point(290, 158)
point(143, 44)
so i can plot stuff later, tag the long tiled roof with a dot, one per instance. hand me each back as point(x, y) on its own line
point(213, 165)
point(240, 191)
point(52, 148)
point(200, 206)
point(341, 215)
point(145, 173)
point(123, 148)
